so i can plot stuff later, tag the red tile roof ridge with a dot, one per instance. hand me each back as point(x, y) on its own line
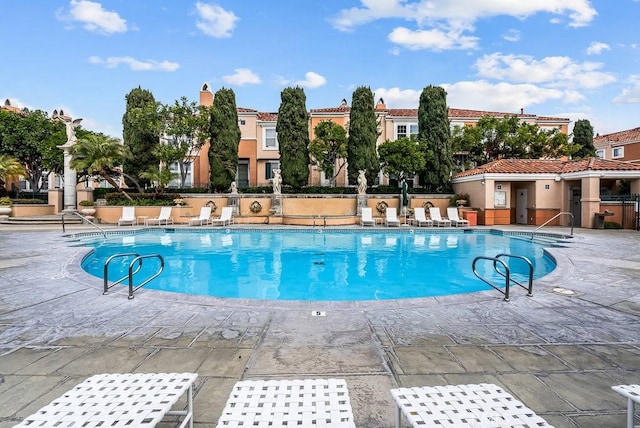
point(627, 135)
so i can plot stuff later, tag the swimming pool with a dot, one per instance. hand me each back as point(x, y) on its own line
point(316, 264)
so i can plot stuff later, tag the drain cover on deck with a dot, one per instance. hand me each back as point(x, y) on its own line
point(563, 291)
point(318, 314)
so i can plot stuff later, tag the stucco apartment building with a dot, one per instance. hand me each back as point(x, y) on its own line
point(622, 146)
point(258, 150)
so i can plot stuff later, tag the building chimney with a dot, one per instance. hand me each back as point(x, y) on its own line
point(206, 96)
point(522, 110)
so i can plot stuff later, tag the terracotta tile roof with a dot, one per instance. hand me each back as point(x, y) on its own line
point(630, 135)
point(454, 113)
point(550, 166)
point(246, 110)
point(340, 109)
point(268, 117)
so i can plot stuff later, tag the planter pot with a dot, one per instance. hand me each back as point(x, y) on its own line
point(5, 210)
point(88, 211)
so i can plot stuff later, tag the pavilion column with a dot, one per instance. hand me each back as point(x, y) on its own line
point(590, 201)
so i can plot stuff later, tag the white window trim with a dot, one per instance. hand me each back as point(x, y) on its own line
point(613, 152)
point(600, 153)
point(407, 124)
point(264, 138)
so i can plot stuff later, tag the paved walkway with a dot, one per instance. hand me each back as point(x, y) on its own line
point(559, 354)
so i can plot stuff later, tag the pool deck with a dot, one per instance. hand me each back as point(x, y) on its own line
point(559, 354)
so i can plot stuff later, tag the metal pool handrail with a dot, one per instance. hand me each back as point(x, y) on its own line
point(551, 219)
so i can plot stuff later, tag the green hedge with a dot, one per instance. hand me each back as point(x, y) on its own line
point(141, 199)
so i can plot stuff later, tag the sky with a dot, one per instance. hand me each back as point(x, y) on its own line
point(575, 59)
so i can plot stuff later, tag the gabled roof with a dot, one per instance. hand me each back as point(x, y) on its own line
point(628, 136)
point(547, 166)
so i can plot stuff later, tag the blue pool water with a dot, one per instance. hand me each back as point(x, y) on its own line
point(316, 265)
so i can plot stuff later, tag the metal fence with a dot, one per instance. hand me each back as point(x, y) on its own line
point(630, 207)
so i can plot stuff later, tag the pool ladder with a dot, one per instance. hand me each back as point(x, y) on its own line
point(135, 263)
point(506, 274)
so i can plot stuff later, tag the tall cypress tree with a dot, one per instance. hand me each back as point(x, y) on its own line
point(583, 138)
point(434, 132)
point(293, 137)
point(362, 153)
point(225, 139)
point(140, 133)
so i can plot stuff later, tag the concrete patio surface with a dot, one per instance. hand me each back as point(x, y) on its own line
point(559, 354)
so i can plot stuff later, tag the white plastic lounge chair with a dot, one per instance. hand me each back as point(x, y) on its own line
point(128, 216)
point(203, 218)
point(488, 404)
point(163, 218)
point(226, 217)
point(130, 399)
point(434, 213)
point(391, 217)
point(288, 403)
point(632, 394)
point(420, 219)
point(452, 213)
point(366, 218)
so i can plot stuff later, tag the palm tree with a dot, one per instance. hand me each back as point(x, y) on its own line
point(98, 155)
point(9, 168)
point(160, 176)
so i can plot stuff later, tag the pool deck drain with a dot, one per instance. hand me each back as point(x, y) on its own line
point(559, 354)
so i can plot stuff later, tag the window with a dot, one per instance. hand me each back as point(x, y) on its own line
point(269, 166)
point(406, 130)
point(500, 198)
point(242, 122)
point(547, 186)
point(270, 141)
point(600, 153)
point(618, 152)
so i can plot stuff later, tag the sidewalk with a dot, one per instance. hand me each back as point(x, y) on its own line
point(559, 354)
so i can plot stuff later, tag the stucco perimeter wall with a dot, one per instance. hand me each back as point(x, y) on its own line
point(296, 209)
point(28, 210)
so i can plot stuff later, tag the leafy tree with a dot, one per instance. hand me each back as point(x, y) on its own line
point(583, 139)
point(293, 137)
point(159, 176)
point(403, 157)
point(100, 155)
point(467, 146)
point(32, 138)
point(434, 131)
point(498, 138)
point(141, 132)
point(363, 135)
point(184, 133)
point(9, 168)
point(225, 135)
point(328, 148)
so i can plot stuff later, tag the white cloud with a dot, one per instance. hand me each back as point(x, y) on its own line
point(597, 47)
point(579, 12)
point(312, 80)
point(134, 64)
point(435, 39)
point(502, 96)
point(630, 95)
point(95, 18)
point(398, 98)
point(512, 35)
point(214, 21)
point(242, 76)
point(555, 70)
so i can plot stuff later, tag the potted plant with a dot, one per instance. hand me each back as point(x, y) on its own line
point(89, 207)
point(5, 206)
point(459, 199)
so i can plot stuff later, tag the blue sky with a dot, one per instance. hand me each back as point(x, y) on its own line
point(564, 58)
